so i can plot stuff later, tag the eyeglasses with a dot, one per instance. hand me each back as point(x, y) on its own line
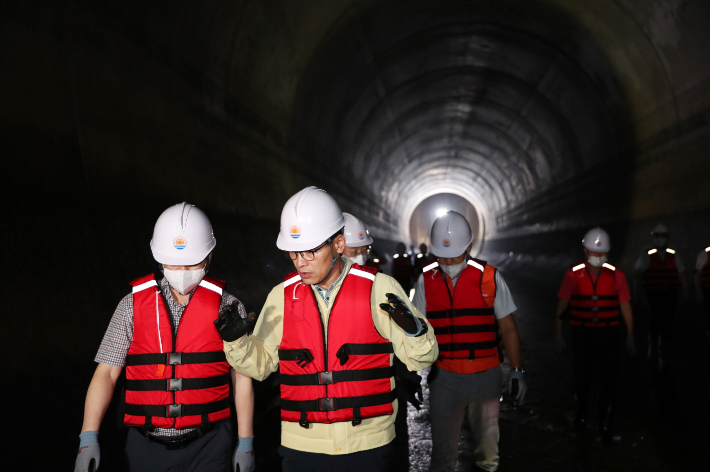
point(306, 255)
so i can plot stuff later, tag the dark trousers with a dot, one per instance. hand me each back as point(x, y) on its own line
point(597, 354)
point(372, 460)
point(662, 307)
point(210, 453)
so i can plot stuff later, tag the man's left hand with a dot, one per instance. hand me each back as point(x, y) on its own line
point(517, 387)
point(243, 461)
point(401, 314)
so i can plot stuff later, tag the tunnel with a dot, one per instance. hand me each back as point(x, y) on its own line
point(542, 118)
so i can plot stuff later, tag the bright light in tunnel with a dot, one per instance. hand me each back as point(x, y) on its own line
point(441, 212)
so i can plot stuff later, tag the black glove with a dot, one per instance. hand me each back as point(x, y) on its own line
point(230, 325)
point(409, 382)
point(401, 314)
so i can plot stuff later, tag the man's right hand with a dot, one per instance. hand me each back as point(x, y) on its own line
point(230, 325)
point(89, 455)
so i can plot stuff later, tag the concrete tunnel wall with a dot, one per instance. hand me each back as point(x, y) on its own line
point(549, 116)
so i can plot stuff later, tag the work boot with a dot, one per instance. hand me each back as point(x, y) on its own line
point(606, 415)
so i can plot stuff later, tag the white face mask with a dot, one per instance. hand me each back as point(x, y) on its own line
point(596, 261)
point(659, 242)
point(184, 280)
point(453, 271)
point(359, 259)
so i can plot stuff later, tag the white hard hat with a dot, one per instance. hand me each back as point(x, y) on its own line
point(660, 229)
point(450, 235)
point(308, 219)
point(597, 240)
point(182, 236)
point(356, 235)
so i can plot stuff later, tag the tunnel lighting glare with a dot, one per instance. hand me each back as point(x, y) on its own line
point(395, 256)
point(441, 212)
point(411, 294)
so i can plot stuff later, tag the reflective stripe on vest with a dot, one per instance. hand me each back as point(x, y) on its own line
point(181, 380)
point(347, 377)
point(662, 274)
point(463, 322)
point(594, 304)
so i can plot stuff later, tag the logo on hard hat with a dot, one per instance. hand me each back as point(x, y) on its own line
point(295, 232)
point(598, 242)
point(361, 235)
point(179, 243)
point(446, 243)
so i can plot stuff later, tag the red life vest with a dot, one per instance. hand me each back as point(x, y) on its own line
point(464, 325)
point(705, 274)
point(662, 274)
point(176, 381)
point(594, 304)
point(344, 375)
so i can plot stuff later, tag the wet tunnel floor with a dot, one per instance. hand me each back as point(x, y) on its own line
point(657, 435)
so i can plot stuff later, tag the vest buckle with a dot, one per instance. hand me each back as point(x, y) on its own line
point(174, 410)
point(174, 384)
point(595, 297)
point(174, 358)
point(327, 404)
point(595, 309)
point(325, 378)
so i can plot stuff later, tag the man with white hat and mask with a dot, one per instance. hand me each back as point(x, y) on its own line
point(661, 272)
point(468, 303)
point(177, 377)
point(331, 328)
point(357, 239)
point(595, 297)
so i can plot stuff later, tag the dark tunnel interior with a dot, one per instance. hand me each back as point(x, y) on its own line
point(540, 118)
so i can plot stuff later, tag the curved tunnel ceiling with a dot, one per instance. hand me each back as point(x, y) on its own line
point(419, 98)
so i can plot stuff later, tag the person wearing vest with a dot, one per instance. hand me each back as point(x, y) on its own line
point(702, 282)
point(661, 273)
point(332, 328)
point(421, 260)
point(468, 303)
point(402, 268)
point(178, 380)
point(595, 298)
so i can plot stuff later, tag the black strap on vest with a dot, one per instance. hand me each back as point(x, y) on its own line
point(173, 411)
point(330, 404)
point(454, 329)
point(353, 349)
point(471, 347)
point(176, 358)
point(594, 297)
point(460, 312)
point(326, 378)
point(172, 385)
point(594, 309)
point(301, 356)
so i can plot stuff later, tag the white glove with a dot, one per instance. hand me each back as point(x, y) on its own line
point(517, 387)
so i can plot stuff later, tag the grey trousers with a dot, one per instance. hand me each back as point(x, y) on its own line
point(450, 395)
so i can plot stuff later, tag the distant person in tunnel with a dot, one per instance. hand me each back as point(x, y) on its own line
point(357, 239)
point(177, 377)
point(468, 303)
point(595, 297)
point(702, 283)
point(662, 274)
point(331, 328)
point(402, 268)
point(421, 260)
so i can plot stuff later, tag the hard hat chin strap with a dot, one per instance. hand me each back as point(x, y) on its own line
point(332, 262)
